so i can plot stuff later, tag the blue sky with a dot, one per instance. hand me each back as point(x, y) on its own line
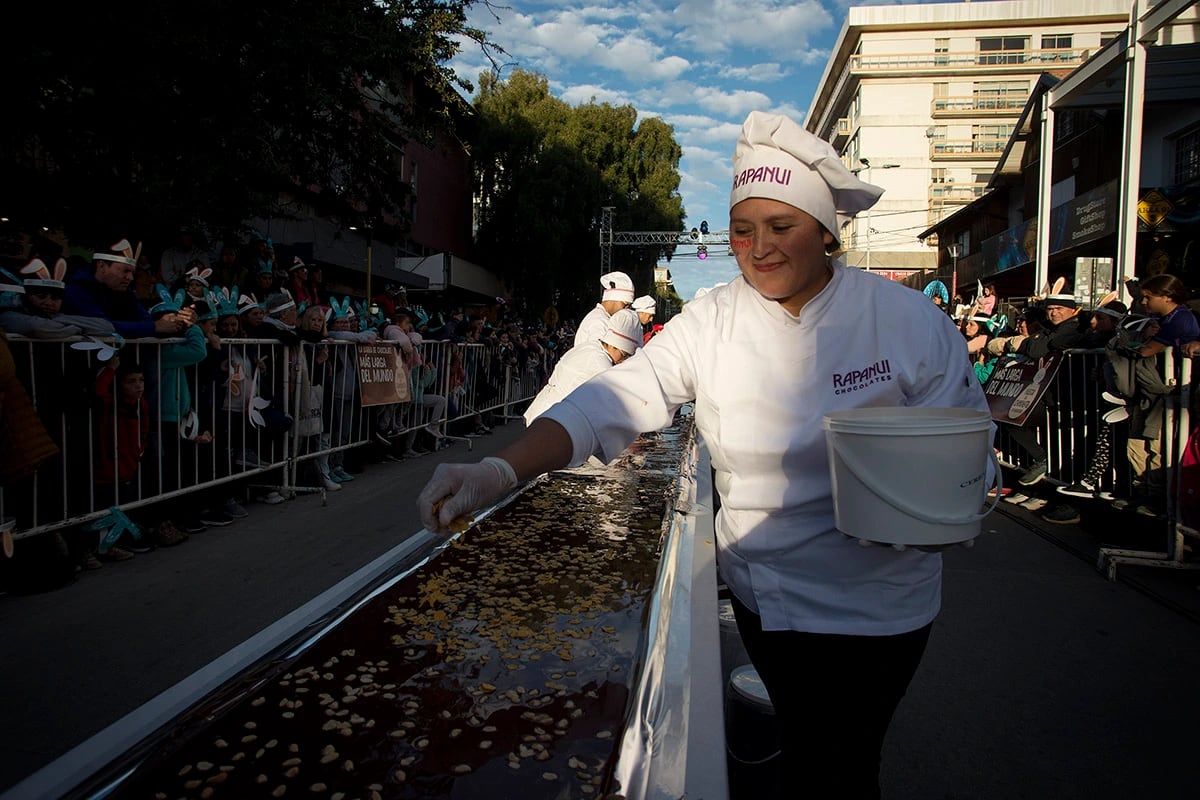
point(700, 65)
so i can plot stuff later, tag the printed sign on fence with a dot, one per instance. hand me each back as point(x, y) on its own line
point(382, 379)
point(1017, 384)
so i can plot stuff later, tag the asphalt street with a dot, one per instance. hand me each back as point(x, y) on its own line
point(1042, 678)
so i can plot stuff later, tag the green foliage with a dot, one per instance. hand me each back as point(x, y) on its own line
point(129, 119)
point(544, 171)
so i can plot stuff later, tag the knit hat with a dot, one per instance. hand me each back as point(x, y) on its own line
point(617, 286)
point(624, 331)
point(40, 274)
point(777, 159)
point(644, 303)
point(280, 301)
point(1064, 300)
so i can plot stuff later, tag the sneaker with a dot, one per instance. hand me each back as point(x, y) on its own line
point(217, 519)
point(1060, 514)
point(1016, 499)
point(271, 498)
point(1121, 503)
point(234, 509)
point(116, 554)
point(141, 545)
point(1034, 474)
point(1083, 488)
point(1035, 504)
point(1118, 414)
point(192, 525)
point(340, 475)
point(1115, 399)
point(90, 562)
point(329, 483)
point(1147, 511)
point(167, 535)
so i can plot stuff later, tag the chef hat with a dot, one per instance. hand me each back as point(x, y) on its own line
point(617, 286)
point(644, 303)
point(624, 331)
point(777, 159)
point(1064, 300)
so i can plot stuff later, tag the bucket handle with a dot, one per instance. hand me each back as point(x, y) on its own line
point(859, 472)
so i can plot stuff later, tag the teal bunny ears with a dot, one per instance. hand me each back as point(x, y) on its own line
point(11, 284)
point(168, 303)
point(339, 309)
point(225, 301)
point(366, 317)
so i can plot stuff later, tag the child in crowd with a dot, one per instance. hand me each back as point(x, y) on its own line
point(313, 370)
point(347, 420)
point(38, 310)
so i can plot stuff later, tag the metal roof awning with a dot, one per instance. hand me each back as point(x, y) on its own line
point(446, 271)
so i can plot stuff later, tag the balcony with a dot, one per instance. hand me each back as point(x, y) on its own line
point(981, 62)
point(978, 106)
point(955, 194)
point(960, 149)
point(841, 133)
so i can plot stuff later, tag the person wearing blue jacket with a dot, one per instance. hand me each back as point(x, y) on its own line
point(106, 293)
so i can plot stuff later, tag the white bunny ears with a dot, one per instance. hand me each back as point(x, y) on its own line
point(198, 274)
point(42, 276)
point(122, 253)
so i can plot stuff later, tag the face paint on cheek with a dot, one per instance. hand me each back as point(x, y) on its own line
point(739, 245)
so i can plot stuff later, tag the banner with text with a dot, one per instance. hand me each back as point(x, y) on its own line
point(382, 379)
point(1016, 386)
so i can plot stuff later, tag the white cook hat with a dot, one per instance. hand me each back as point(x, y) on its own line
point(624, 331)
point(644, 303)
point(777, 159)
point(617, 286)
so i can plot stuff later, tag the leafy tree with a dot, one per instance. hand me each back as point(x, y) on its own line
point(132, 118)
point(543, 173)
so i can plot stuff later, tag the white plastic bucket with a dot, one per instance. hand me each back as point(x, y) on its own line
point(910, 476)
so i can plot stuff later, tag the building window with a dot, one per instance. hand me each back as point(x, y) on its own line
point(1187, 156)
point(1053, 42)
point(990, 138)
point(941, 51)
point(1000, 95)
point(1105, 38)
point(1003, 49)
point(937, 175)
point(1064, 124)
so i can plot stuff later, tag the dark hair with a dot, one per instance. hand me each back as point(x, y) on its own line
point(126, 368)
point(1166, 285)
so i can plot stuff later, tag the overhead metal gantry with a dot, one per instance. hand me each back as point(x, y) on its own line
point(610, 238)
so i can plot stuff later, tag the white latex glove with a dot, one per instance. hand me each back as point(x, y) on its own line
point(465, 488)
point(924, 548)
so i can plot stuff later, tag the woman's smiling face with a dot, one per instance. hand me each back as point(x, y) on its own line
point(780, 250)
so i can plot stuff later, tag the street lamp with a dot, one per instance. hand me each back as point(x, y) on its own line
point(866, 165)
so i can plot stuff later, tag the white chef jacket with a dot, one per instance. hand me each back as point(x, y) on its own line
point(593, 326)
point(762, 380)
point(577, 365)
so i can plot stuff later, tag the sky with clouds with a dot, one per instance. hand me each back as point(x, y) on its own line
point(700, 65)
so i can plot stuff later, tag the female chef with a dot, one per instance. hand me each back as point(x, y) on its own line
point(835, 629)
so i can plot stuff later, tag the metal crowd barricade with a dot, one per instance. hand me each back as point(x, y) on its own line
point(218, 420)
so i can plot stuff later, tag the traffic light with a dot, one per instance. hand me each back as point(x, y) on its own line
point(702, 252)
point(704, 227)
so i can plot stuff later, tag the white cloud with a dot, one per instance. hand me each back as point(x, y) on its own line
point(582, 94)
point(755, 73)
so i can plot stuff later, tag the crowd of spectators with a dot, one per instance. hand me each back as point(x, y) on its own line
point(199, 416)
point(1128, 377)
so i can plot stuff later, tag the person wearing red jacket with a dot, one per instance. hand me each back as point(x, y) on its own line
point(123, 426)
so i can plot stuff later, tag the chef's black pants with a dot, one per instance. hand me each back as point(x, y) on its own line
point(834, 697)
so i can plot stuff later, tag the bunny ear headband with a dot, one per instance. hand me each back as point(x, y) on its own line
point(197, 274)
point(168, 303)
point(247, 302)
point(225, 303)
point(122, 253)
point(41, 274)
point(340, 310)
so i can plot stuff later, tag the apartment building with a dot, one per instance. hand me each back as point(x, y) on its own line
point(922, 100)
